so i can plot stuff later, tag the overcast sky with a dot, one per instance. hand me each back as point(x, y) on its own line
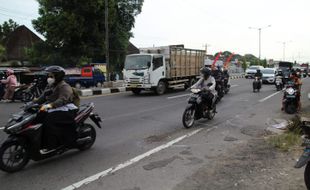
point(223, 25)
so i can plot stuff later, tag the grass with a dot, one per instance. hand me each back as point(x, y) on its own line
point(290, 139)
point(285, 142)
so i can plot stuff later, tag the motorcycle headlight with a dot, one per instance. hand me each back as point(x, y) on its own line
point(195, 91)
point(290, 91)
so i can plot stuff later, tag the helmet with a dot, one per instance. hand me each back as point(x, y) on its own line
point(206, 72)
point(9, 71)
point(57, 71)
point(258, 70)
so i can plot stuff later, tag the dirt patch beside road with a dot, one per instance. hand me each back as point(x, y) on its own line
point(255, 165)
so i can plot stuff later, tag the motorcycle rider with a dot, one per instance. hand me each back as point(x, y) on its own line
point(58, 109)
point(202, 83)
point(10, 84)
point(280, 75)
point(226, 75)
point(258, 74)
point(297, 85)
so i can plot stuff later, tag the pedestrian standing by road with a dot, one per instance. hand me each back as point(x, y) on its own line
point(10, 84)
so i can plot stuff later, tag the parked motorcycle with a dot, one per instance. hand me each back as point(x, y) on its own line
point(196, 109)
point(290, 99)
point(257, 84)
point(226, 85)
point(35, 89)
point(22, 94)
point(25, 137)
point(279, 83)
point(305, 157)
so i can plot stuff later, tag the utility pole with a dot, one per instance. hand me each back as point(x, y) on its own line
point(284, 48)
point(206, 47)
point(259, 38)
point(107, 47)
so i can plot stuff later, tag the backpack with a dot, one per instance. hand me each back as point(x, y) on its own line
point(76, 98)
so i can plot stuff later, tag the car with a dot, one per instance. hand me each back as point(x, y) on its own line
point(269, 75)
point(250, 72)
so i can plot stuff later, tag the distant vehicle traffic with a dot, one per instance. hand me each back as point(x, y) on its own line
point(90, 76)
point(269, 75)
point(160, 68)
point(250, 72)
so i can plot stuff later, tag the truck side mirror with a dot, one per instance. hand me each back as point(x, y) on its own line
point(148, 64)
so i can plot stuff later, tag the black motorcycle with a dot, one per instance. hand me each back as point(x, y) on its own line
point(22, 93)
point(220, 89)
point(290, 99)
point(305, 157)
point(257, 84)
point(25, 137)
point(196, 109)
point(226, 85)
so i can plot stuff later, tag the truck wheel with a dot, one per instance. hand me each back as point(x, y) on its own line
point(99, 84)
point(136, 91)
point(161, 88)
point(77, 85)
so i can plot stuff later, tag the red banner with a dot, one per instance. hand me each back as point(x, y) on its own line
point(215, 60)
point(226, 64)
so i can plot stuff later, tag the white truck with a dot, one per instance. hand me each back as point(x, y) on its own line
point(160, 68)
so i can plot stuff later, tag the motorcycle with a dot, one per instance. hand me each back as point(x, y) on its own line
point(290, 99)
point(35, 89)
point(305, 157)
point(22, 93)
point(220, 89)
point(279, 83)
point(257, 85)
point(226, 85)
point(196, 109)
point(24, 142)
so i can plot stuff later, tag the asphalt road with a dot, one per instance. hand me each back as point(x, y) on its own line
point(132, 126)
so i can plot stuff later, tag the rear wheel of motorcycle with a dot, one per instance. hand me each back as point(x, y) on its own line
point(188, 118)
point(92, 135)
point(13, 157)
point(307, 176)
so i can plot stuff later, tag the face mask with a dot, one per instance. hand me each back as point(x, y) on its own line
point(50, 81)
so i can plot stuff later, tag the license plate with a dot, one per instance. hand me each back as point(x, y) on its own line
point(290, 96)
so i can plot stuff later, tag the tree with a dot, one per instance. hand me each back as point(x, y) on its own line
point(74, 30)
point(2, 52)
point(5, 29)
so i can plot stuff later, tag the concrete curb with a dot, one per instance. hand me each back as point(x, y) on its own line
point(102, 91)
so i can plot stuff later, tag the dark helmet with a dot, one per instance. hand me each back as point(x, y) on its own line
point(206, 72)
point(258, 70)
point(57, 71)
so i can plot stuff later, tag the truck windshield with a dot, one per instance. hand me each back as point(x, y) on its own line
point(137, 62)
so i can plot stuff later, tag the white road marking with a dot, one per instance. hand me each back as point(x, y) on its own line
point(264, 99)
point(1, 128)
point(130, 162)
point(179, 96)
point(234, 85)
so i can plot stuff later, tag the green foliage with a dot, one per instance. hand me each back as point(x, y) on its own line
point(244, 66)
point(285, 141)
point(5, 29)
point(75, 30)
